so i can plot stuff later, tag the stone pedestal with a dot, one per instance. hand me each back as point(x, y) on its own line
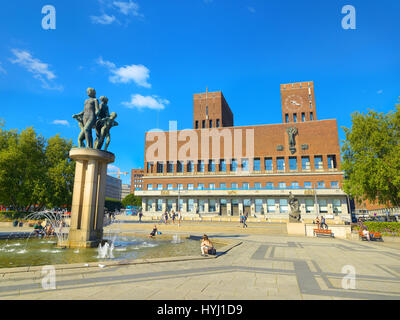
point(296, 228)
point(88, 198)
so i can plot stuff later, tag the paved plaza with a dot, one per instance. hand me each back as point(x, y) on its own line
point(263, 263)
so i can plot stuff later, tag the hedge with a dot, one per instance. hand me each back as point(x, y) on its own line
point(13, 215)
point(390, 228)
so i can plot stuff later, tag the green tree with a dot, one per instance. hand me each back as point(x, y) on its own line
point(132, 200)
point(371, 157)
point(60, 172)
point(34, 171)
point(22, 167)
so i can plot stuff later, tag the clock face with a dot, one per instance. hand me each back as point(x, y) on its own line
point(293, 102)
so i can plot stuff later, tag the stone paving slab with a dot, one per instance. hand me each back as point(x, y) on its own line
point(266, 265)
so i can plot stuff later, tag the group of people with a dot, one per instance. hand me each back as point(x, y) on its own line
point(47, 230)
point(171, 216)
point(321, 223)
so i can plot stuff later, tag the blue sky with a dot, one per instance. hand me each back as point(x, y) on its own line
point(149, 57)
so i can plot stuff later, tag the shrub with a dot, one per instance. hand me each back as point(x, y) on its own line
point(388, 228)
point(12, 215)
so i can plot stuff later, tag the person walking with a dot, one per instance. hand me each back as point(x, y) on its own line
point(245, 219)
point(173, 216)
point(140, 216)
point(179, 218)
point(166, 217)
point(323, 224)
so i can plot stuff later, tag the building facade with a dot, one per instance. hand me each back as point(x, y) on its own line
point(220, 169)
point(125, 190)
point(137, 179)
point(113, 188)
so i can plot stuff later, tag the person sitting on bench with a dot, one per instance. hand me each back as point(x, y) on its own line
point(365, 233)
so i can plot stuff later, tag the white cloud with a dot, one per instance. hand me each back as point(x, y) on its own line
point(112, 168)
point(151, 102)
point(61, 122)
point(39, 69)
point(129, 73)
point(103, 19)
point(127, 8)
point(2, 70)
point(380, 92)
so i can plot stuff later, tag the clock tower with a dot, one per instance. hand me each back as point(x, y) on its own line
point(298, 102)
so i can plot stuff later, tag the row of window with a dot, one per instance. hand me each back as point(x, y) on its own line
point(303, 116)
point(270, 205)
point(244, 165)
point(203, 124)
point(244, 185)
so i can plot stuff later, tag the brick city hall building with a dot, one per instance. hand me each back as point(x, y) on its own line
point(219, 169)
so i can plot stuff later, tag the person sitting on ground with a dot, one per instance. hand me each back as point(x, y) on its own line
point(154, 232)
point(206, 245)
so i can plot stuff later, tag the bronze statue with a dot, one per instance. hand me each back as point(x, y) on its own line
point(292, 131)
point(294, 215)
point(103, 113)
point(106, 124)
point(98, 117)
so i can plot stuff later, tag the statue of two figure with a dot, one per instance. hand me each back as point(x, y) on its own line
point(95, 115)
point(294, 215)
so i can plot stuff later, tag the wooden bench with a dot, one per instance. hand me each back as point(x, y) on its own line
point(323, 233)
point(373, 236)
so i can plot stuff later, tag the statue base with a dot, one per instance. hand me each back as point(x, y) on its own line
point(297, 228)
point(87, 213)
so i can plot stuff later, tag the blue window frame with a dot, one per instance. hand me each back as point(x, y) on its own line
point(245, 185)
point(160, 167)
point(268, 164)
point(293, 163)
point(270, 185)
point(189, 166)
point(222, 165)
point(307, 184)
point(305, 163)
point(179, 166)
point(318, 162)
point(257, 185)
point(170, 166)
point(234, 185)
point(234, 165)
point(200, 166)
point(320, 184)
point(334, 184)
point(295, 185)
point(282, 185)
point(211, 166)
point(257, 164)
point(280, 163)
point(245, 164)
point(222, 185)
